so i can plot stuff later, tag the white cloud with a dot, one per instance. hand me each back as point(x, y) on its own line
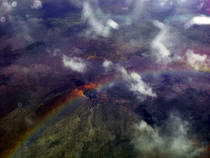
point(135, 83)
point(74, 63)
point(161, 51)
point(164, 45)
point(198, 20)
point(196, 61)
point(133, 80)
point(139, 86)
point(146, 138)
point(36, 4)
point(107, 64)
point(113, 24)
point(176, 143)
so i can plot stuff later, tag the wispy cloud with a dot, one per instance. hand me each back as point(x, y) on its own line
point(89, 16)
point(165, 44)
point(101, 24)
point(158, 45)
point(74, 63)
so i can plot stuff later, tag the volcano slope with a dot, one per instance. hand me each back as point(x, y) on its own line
point(116, 124)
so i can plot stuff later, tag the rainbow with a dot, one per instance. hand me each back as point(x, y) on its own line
point(59, 106)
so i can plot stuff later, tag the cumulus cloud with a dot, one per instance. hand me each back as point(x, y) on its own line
point(138, 86)
point(135, 83)
point(74, 63)
point(198, 20)
point(196, 61)
point(177, 142)
point(134, 80)
point(107, 64)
